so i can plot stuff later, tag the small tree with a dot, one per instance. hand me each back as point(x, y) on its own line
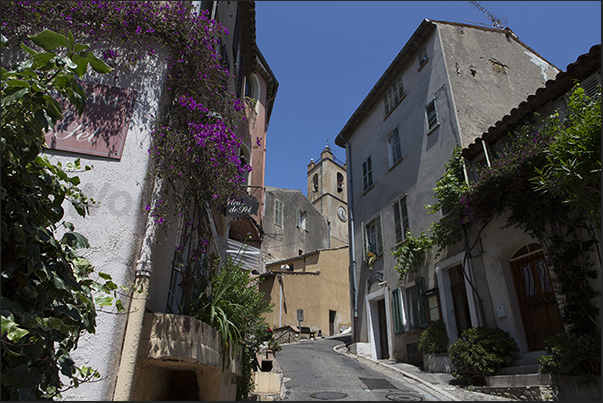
point(47, 289)
point(230, 300)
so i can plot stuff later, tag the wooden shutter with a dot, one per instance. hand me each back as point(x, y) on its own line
point(379, 235)
point(421, 302)
point(298, 218)
point(397, 308)
point(404, 213)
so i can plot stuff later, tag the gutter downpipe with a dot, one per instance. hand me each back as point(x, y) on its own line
point(144, 268)
point(348, 149)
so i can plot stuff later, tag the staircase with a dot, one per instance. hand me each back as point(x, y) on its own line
point(523, 381)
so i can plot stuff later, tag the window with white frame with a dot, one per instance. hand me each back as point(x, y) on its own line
point(367, 174)
point(278, 213)
point(393, 95)
point(400, 219)
point(431, 114)
point(302, 219)
point(373, 238)
point(394, 148)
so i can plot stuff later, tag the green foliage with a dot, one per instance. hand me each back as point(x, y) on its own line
point(412, 253)
point(546, 181)
point(481, 352)
point(434, 339)
point(448, 192)
point(47, 289)
point(232, 303)
point(572, 171)
point(572, 355)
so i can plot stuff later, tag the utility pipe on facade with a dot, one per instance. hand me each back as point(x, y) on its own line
point(144, 268)
point(348, 149)
point(280, 300)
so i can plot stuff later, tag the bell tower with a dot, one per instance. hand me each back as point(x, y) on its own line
point(328, 193)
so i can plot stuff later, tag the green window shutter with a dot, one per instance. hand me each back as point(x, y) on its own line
point(379, 235)
point(397, 222)
point(404, 214)
point(298, 217)
point(421, 303)
point(397, 305)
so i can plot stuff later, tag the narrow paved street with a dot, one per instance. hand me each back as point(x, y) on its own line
point(312, 370)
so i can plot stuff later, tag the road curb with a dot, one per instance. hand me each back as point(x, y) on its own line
point(340, 348)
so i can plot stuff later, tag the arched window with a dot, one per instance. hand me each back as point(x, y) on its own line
point(339, 182)
point(250, 88)
point(315, 183)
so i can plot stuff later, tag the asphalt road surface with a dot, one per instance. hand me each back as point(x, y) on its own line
point(313, 371)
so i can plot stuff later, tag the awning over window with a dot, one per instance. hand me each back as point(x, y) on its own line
point(249, 257)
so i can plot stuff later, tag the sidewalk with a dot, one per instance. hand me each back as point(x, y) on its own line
point(441, 382)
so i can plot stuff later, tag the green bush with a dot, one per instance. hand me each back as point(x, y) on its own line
point(480, 352)
point(572, 355)
point(434, 339)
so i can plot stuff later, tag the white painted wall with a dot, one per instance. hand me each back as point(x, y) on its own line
point(114, 228)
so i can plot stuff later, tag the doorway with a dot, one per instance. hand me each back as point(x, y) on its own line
point(332, 315)
point(384, 351)
point(459, 300)
point(540, 313)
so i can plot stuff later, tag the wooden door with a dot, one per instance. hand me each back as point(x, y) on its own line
point(537, 302)
point(384, 353)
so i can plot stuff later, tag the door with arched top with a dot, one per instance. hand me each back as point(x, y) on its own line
point(537, 301)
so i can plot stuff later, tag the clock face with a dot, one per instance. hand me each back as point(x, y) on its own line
point(341, 213)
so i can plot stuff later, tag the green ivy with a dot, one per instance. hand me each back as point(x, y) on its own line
point(48, 289)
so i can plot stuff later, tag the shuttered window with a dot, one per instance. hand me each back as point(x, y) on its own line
point(422, 302)
point(367, 174)
point(278, 213)
point(372, 235)
point(400, 219)
point(397, 310)
point(432, 115)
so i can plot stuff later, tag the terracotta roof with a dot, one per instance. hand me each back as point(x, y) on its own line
point(582, 68)
point(291, 259)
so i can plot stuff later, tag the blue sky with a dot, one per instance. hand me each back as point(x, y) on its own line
point(327, 55)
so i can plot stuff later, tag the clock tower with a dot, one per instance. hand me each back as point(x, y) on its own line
point(327, 190)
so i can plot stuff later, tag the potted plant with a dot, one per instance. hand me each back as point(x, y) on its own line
point(433, 343)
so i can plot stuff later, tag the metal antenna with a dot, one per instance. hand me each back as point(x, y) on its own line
point(496, 22)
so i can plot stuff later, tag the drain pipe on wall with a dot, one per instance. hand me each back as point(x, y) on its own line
point(144, 268)
point(348, 149)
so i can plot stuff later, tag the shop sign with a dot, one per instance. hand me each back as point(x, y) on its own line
point(102, 128)
point(245, 206)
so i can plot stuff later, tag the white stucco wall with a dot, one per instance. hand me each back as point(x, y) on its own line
point(115, 226)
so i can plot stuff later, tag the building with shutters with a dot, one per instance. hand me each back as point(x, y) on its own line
point(446, 86)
